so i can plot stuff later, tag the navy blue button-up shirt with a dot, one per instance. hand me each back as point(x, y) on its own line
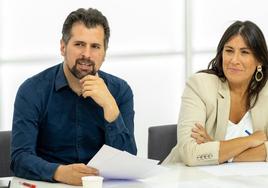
point(52, 125)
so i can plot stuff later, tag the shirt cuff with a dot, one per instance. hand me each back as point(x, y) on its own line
point(50, 170)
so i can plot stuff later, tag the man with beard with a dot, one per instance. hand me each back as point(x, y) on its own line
point(63, 115)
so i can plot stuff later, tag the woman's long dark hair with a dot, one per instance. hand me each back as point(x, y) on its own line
point(255, 40)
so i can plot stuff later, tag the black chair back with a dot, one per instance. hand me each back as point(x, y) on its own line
point(5, 142)
point(161, 139)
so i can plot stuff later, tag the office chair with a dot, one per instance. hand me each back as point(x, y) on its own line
point(161, 139)
point(5, 141)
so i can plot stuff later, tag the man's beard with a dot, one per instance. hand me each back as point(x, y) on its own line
point(85, 62)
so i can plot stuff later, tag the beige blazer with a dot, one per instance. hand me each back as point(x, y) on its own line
point(206, 99)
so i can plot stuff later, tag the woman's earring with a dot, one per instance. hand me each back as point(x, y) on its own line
point(259, 74)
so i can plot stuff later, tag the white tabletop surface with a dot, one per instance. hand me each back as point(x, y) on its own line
point(180, 176)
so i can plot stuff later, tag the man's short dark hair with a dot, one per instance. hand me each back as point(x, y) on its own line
point(90, 18)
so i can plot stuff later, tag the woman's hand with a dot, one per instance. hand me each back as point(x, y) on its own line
point(200, 135)
point(257, 138)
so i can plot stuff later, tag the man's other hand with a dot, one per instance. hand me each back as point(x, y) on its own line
point(72, 174)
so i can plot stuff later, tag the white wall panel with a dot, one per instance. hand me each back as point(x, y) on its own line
point(201, 61)
point(212, 17)
point(32, 28)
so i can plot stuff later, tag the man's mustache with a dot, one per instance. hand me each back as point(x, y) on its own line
point(88, 62)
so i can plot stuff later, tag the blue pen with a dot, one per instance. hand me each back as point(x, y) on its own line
point(247, 132)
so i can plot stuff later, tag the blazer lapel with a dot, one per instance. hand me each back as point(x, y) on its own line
point(223, 110)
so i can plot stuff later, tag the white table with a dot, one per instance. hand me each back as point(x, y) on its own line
point(180, 176)
point(4, 181)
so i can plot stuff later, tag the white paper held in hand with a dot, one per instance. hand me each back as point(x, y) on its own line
point(115, 164)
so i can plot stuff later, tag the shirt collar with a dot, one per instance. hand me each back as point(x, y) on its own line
point(61, 80)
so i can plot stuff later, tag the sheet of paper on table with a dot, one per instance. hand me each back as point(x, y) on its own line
point(115, 164)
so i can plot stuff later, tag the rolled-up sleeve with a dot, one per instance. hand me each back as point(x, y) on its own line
point(120, 133)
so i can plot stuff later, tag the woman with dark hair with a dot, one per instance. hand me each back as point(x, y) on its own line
point(222, 117)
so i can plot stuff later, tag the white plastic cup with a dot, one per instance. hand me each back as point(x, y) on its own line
point(92, 181)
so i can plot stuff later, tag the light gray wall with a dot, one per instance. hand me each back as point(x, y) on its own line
point(147, 47)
